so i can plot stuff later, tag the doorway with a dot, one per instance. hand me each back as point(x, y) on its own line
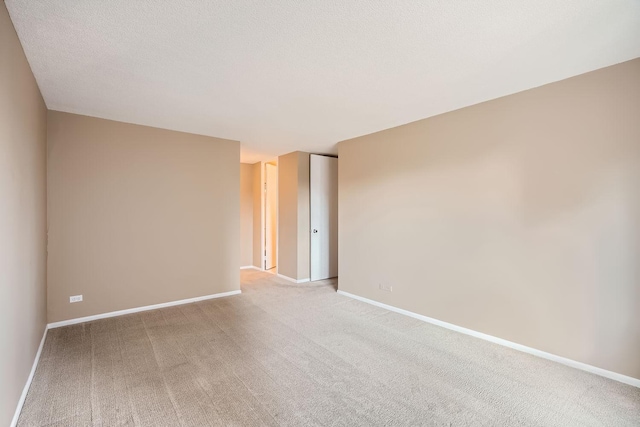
point(271, 217)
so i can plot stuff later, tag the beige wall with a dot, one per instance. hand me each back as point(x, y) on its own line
point(246, 214)
point(288, 215)
point(23, 216)
point(304, 218)
point(138, 215)
point(257, 215)
point(293, 215)
point(518, 217)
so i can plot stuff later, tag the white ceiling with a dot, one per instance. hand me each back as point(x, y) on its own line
point(302, 75)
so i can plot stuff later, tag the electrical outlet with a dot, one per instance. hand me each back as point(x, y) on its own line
point(386, 288)
point(75, 298)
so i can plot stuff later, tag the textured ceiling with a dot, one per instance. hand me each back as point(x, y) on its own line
point(302, 75)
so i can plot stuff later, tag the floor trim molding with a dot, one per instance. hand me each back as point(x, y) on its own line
point(138, 309)
point(250, 267)
point(539, 353)
point(282, 276)
point(25, 390)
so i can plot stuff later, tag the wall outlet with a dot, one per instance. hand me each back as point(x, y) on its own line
point(386, 288)
point(75, 298)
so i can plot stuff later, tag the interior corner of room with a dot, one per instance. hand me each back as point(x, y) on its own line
point(513, 220)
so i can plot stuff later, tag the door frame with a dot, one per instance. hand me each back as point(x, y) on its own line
point(263, 207)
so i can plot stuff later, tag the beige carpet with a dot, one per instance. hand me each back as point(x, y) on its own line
point(283, 354)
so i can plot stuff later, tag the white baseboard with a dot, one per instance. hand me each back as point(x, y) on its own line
point(25, 390)
point(139, 309)
point(250, 267)
point(292, 280)
point(543, 354)
point(14, 422)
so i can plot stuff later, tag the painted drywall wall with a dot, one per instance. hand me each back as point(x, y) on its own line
point(293, 215)
point(257, 215)
point(23, 218)
point(138, 215)
point(246, 214)
point(288, 215)
point(518, 217)
point(304, 218)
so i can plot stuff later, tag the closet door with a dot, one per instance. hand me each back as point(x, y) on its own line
point(323, 193)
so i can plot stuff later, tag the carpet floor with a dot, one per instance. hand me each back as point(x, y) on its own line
point(301, 355)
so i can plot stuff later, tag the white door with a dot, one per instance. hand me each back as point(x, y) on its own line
point(323, 192)
point(270, 223)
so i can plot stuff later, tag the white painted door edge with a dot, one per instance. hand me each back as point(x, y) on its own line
point(292, 280)
point(138, 309)
point(25, 390)
point(539, 353)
